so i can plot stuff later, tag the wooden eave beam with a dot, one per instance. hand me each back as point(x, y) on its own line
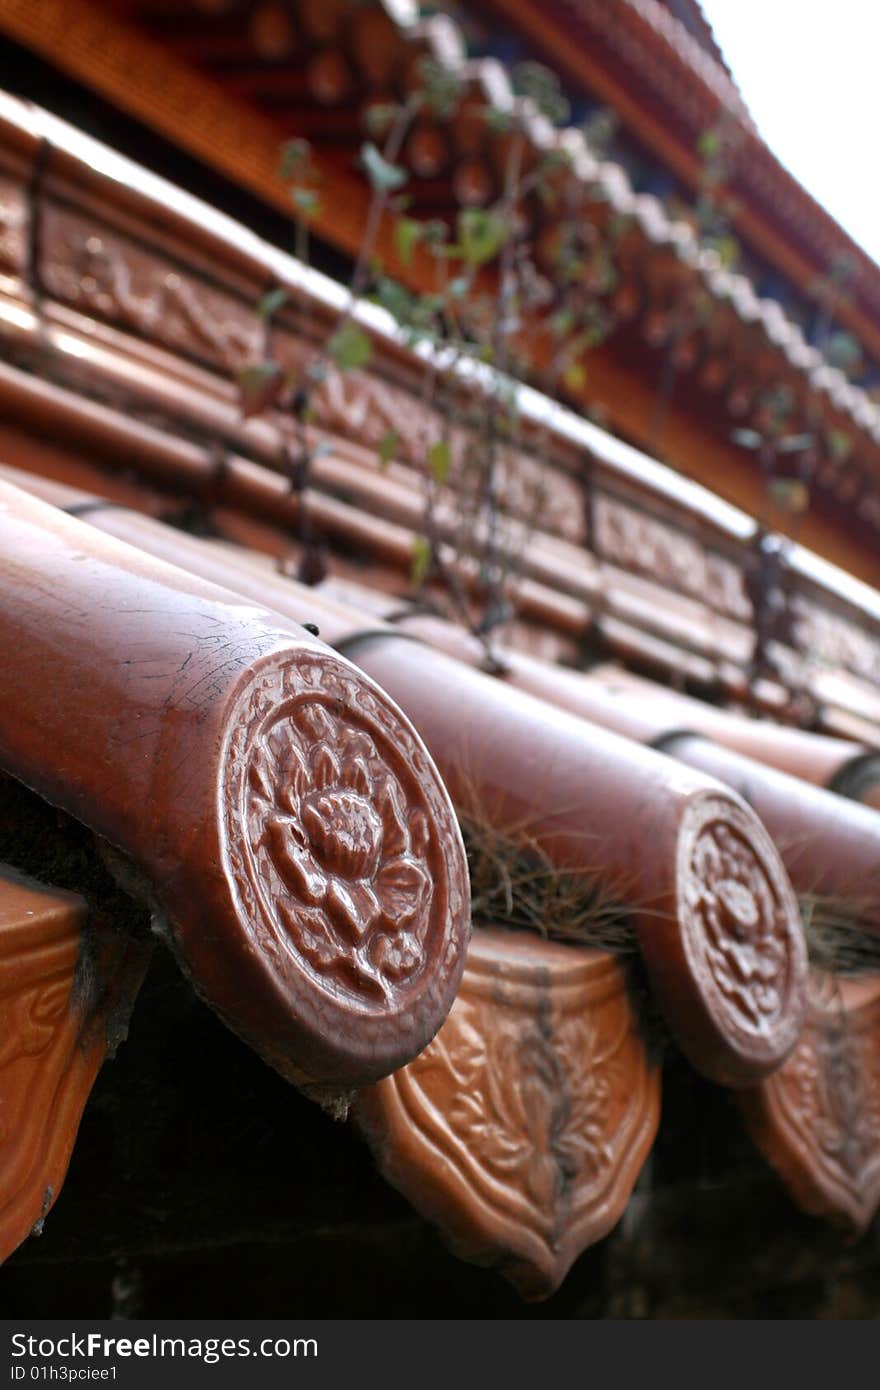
point(145, 80)
point(583, 63)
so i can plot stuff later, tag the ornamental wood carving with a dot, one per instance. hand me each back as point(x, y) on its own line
point(834, 641)
point(13, 225)
point(523, 1126)
point(102, 273)
point(62, 980)
point(271, 802)
point(817, 1120)
point(647, 546)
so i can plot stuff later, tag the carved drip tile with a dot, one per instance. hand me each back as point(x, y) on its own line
point(521, 1129)
point(817, 1119)
point(66, 987)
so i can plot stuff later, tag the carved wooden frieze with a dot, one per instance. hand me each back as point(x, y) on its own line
point(523, 1126)
point(13, 225)
point(364, 407)
point(102, 273)
point(834, 641)
point(817, 1120)
point(636, 541)
point(61, 981)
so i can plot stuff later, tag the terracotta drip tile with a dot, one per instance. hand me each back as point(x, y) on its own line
point(817, 1120)
point(269, 800)
point(521, 1129)
point(63, 977)
point(712, 906)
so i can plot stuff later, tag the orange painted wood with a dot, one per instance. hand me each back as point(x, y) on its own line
point(817, 1120)
point(522, 1128)
point(66, 986)
point(277, 807)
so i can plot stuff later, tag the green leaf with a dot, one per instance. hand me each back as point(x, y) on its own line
point(380, 116)
point(388, 447)
point(350, 347)
point(790, 494)
point(562, 322)
point(497, 120)
point(272, 302)
point(481, 234)
point(295, 156)
point(726, 249)
point(747, 439)
point(575, 376)
point(794, 443)
point(441, 87)
point(385, 177)
point(844, 352)
point(259, 387)
point(306, 201)
point(709, 144)
point(421, 560)
point(840, 445)
point(439, 459)
point(407, 235)
point(541, 85)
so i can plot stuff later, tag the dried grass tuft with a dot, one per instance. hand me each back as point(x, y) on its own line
point(515, 884)
point(836, 940)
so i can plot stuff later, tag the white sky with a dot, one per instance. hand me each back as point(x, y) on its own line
point(809, 72)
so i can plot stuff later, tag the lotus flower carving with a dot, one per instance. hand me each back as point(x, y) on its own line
point(744, 942)
point(343, 849)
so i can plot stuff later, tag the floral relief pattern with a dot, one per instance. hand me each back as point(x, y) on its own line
point(106, 275)
point(13, 225)
point(47, 1062)
point(640, 542)
point(742, 926)
point(537, 1135)
point(341, 848)
point(335, 829)
point(820, 1113)
point(522, 1127)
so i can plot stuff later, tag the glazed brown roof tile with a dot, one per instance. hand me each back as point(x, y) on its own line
point(64, 974)
point(274, 806)
point(592, 802)
point(830, 846)
point(522, 1128)
point(852, 769)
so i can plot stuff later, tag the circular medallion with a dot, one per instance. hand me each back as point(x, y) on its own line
point(343, 852)
point(741, 934)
